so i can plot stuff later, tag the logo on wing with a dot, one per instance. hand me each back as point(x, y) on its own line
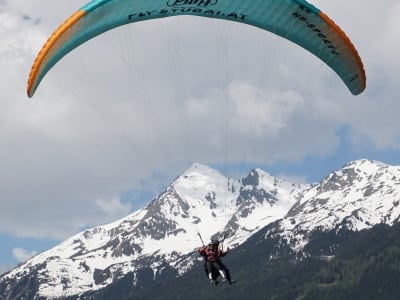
point(198, 3)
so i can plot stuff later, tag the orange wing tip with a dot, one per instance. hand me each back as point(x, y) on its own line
point(348, 42)
point(47, 47)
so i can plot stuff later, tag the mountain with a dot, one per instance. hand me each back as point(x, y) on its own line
point(365, 266)
point(260, 213)
point(159, 238)
point(360, 195)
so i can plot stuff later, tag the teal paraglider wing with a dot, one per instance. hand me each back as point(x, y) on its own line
point(295, 20)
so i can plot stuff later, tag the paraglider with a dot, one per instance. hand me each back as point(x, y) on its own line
point(295, 20)
point(214, 267)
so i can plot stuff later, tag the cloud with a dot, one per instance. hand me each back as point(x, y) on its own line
point(22, 254)
point(268, 111)
point(114, 207)
point(136, 106)
point(293, 179)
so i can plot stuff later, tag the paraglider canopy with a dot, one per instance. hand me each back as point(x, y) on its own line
point(295, 20)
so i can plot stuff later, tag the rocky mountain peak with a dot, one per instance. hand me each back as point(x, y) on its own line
point(361, 194)
point(164, 233)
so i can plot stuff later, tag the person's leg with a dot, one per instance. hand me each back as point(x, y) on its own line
point(205, 269)
point(227, 273)
point(219, 267)
point(208, 268)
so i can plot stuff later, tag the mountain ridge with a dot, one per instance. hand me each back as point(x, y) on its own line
point(163, 234)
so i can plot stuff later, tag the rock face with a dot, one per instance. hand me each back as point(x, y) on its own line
point(361, 194)
point(163, 235)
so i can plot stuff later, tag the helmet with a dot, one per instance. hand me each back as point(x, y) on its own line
point(214, 242)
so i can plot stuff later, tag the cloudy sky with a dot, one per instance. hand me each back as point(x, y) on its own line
point(116, 120)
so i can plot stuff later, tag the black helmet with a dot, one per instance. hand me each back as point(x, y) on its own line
point(214, 242)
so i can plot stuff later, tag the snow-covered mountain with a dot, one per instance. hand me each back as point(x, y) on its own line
point(360, 195)
point(163, 236)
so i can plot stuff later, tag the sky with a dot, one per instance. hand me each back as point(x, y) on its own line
point(116, 120)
